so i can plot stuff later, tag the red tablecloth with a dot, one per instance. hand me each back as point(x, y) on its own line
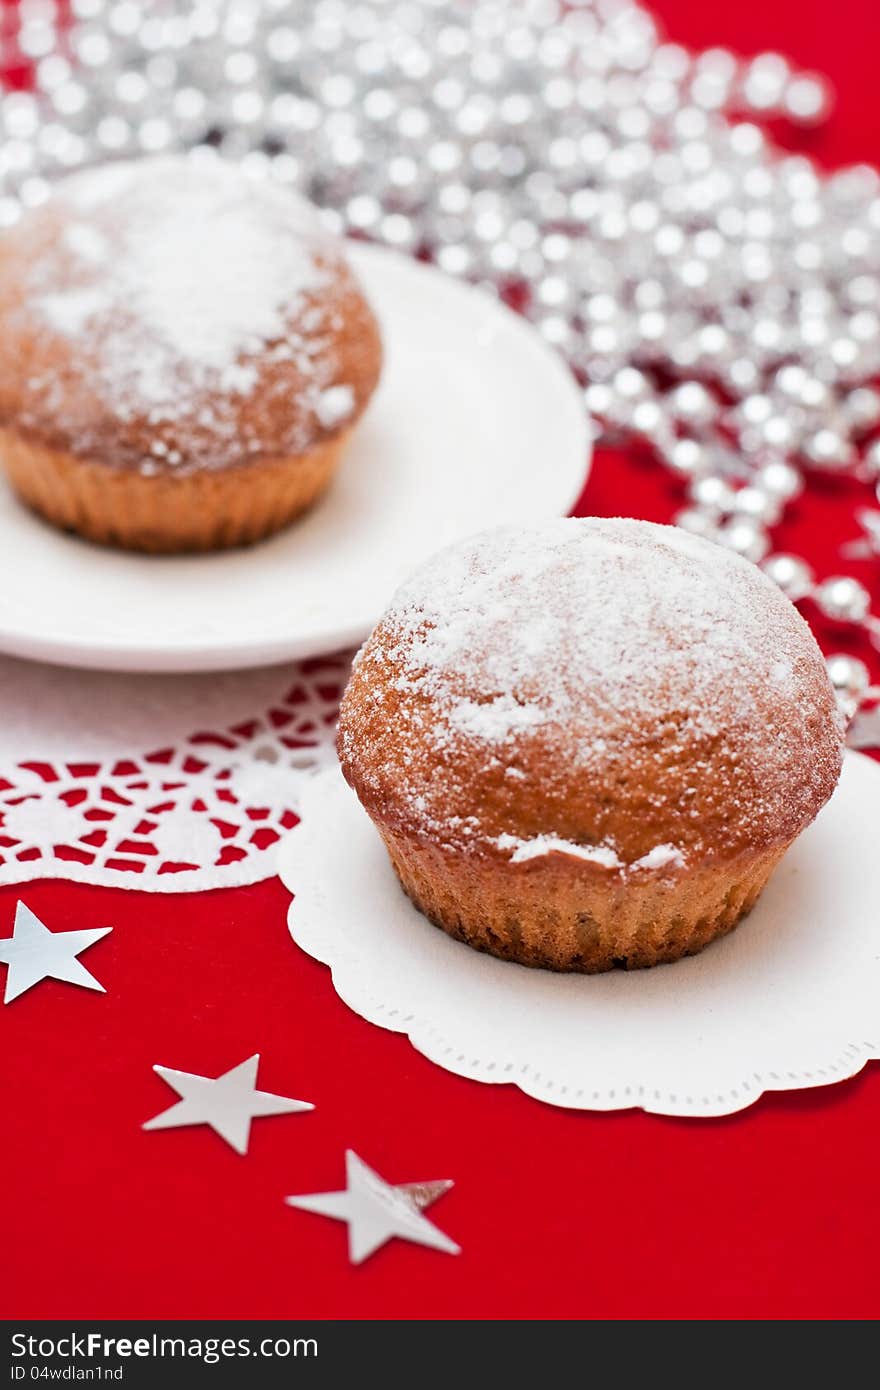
point(770, 1213)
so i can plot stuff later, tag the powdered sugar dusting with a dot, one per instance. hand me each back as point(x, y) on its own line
point(661, 857)
point(87, 243)
point(542, 845)
point(206, 263)
point(103, 184)
point(606, 856)
point(71, 311)
point(535, 616)
point(629, 689)
point(334, 405)
point(178, 279)
point(493, 720)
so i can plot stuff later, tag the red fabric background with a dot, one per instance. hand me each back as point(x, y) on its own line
point(771, 1213)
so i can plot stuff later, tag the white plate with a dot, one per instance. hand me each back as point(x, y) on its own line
point(476, 423)
point(789, 999)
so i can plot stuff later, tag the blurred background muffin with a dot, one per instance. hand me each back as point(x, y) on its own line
point(184, 353)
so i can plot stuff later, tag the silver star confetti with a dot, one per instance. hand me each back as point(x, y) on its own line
point(33, 953)
point(227, 1103)
point(375, 1211)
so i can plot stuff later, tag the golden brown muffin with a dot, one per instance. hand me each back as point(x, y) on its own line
point(587, 744)
point(183, 355)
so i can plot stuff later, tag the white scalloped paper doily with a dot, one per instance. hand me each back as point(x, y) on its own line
point(161, 783)
point(790, 999)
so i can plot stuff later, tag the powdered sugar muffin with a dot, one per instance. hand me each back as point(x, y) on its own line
point(183, 355)
point(588, 744)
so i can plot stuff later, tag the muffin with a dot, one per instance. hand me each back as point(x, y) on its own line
point(588, 743)
point(184, 353)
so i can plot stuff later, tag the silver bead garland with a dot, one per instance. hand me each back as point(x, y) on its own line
point(720, 301)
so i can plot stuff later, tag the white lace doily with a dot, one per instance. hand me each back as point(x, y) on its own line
point(790, 999)
point(165, 783)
